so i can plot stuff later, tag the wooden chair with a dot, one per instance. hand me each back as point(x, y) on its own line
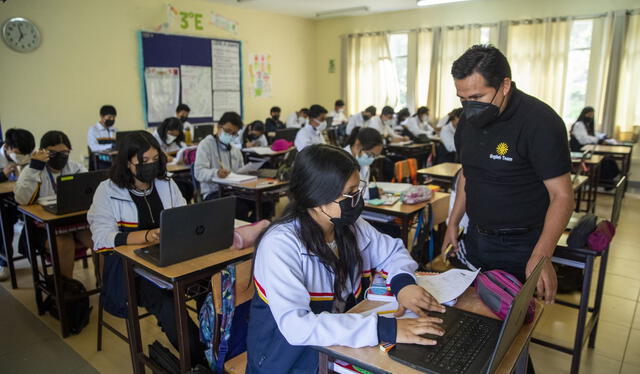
point(244, 278)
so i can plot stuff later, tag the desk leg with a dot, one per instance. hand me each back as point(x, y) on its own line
point(57, 280)
point(597, 303)
point(582, 315)
point(522, 365)
point(404, 230)
point(182, 326)
point(258, 212)
point(33, 259)
point(323, 363)
point(8, 247)
point(133, 322)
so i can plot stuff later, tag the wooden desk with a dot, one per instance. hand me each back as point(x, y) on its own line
point(36, 213)
point(377, 361)
point(442, 174)
point(419, 151)
point(181, 276)
point(8, 203)
point(256, 189)
point(270, 154)
point(578, 184)
point(178, 168)
point(621, 153)
point(591, 167)
point(407, 211)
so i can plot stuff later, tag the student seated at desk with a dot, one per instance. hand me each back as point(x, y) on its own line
point(339, 118)
point(312, 133)
point(298, 119)
point(361, 119)
point(126, 211)
point(446, 150)
point(182, 113)
point(418, 124)
point(385, 123)
point(15, 155)
point(365, 145)
point(170, 136)
point(253, 136)
point(38, 181)
point(273, 123)
point(316, 261)
point(102, 136)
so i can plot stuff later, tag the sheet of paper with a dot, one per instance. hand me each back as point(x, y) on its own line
point(225, 62)
point(226, 101)
point(259, 150)
point(394, 188)
point(163, 92)
point(196, 89)
point(234, 178)
point(251, 167)
point(449, 285)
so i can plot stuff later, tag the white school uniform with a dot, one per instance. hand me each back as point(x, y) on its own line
point(168, 148)
point(384, 129)
point(293, 122)
point(98, 131)
point(447, 135)
point(417, 127)
point(308, 135)
point(579, 131)
point(338, 117)
point(356, 120)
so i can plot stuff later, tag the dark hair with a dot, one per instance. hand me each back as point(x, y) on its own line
point(387, 110)
point(456, 113)
point(232, 118)
point(53, 138)
point(169, 124)
point(21, 139)
point(253, 126)
point(135, 144)
point(371, 109)
point(339, 102)
point(305, 111)
point(403, 114)
point(589, 125)
point(368, 137)
point(182, 107)
point(316, 110)
point(484, 59)
point(107, 110)
point(275, 109)
point(318, 177)
point(422, 110)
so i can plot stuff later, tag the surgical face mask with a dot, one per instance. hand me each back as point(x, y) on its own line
point(19, 158)
point(183, 119)
point(424, 118)
point(349, 214)
point(170, 138)
point(365, 159)
point(146, 173)
point(57, 160)
point(321, 125)
point(480, 114)
point(388, 122)
point(302, 120)
point(109, 122)
point(341, 110)
point(226, 138)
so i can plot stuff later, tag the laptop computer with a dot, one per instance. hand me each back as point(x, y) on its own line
point(75, 192)
point(472, 343)
point(191, 231)
point(288, 134)
point(121, 135)
point(201, 131)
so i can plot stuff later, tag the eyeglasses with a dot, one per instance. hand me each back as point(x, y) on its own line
point(355, 197)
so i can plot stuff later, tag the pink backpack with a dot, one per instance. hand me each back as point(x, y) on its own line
point(189, 156)
point(497, 289)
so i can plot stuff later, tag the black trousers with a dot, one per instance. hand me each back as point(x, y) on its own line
point(9, 218)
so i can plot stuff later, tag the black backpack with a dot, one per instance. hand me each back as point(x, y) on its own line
point(78, 310)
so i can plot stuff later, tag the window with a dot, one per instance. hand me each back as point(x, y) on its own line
point(577, 69)
point(398, 44)
point(485, 35)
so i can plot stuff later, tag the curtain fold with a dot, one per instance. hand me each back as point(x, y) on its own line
point(424, 51)
point(628, 100)
point(538, 53)
point(371, 76)
point(597, 82)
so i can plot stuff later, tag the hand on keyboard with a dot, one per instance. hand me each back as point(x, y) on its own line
point(409, 330)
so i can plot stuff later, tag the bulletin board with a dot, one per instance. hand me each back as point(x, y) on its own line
point(204, 73)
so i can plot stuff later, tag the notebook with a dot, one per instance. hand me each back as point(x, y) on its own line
point(234, 178)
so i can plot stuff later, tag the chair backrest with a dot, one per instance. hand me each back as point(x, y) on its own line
point(406, 171)
point(617, 200)
point(244, 287)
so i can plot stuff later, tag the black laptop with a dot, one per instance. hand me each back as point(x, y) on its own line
point(191, 231)
point(201, 131)
point(288, 134)
point(121, 135)
point(75, 192)
point(472, 343)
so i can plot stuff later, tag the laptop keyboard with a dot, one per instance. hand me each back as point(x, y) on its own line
point(456, 351)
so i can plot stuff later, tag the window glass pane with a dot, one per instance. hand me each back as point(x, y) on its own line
point(398, 44)
point(581, 34)
point(485, 35)
point(577, 70)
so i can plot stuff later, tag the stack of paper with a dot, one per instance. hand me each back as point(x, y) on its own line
point(234, 178)
point(263, 151)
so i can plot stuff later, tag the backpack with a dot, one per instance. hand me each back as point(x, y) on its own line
point(579, 235)
point(189, 156)
point(78, 310)
point(497, 290)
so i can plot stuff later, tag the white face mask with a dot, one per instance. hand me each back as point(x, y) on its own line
point(424, 118)
point(322, 125)
point(19, 158)
point(341, 110)
point(388, 122)
point(302, 120)
point(170, 138)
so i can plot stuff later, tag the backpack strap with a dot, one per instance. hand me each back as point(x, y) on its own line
point(228, 308)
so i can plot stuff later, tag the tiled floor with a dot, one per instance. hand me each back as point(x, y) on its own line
point(29, 341)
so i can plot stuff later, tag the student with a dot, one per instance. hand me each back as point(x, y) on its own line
point(315, 262)
point(102, 135)
point(339, 118)
point(126, 211)
point(312, 134)
point(39, 180)
point(401, 116)
point(170, 136)
point(446, 150)
point(298, 119)
point(365, 145)
point(583, 130)
point(419, 123)
point(253, 135)
point(361, 119)
point(16, 154)
point(273, 123)
point(182, 113)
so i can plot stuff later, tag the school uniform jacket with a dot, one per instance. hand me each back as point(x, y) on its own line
point(168, 148)
point(113, 211)
point(417, 127)
point(208, 157)
point(290, 311)
point(4, 162)
point(34, 181)
point(447, 136)
point(98, 131)
point(356, 120)
point(306, 136)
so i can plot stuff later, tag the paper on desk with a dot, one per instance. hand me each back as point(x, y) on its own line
point(263, 151)
point(393, 188)
point(449, 285)
point(234, 178)
point(251, 167)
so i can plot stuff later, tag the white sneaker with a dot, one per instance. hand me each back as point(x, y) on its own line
point(4, 273)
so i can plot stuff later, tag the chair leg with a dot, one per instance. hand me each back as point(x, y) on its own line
point(100, 317)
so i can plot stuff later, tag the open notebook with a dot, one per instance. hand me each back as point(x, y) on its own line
point(234, 178)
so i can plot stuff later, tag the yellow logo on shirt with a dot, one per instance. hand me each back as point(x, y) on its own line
point(502, 149)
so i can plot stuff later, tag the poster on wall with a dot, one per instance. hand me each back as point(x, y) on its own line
point(163, 92)
point(260, 74)
point(225, 62)
point(196, 89)
point(226, 101)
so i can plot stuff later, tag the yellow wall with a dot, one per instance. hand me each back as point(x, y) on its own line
point(328, 32)
point(89, 57)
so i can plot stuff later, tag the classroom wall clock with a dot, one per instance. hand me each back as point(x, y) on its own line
point(21, 35)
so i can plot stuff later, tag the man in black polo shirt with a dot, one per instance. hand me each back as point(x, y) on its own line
point(515, 183)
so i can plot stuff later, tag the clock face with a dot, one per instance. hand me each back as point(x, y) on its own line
point(20, 34)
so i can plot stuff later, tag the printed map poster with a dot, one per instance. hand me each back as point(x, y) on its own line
point(196, 89)
point(163, 92)
point(260, 74)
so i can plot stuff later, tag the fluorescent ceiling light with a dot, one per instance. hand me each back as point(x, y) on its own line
point(342, 12)
point(437, 2)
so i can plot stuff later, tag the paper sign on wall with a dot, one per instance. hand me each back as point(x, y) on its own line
point(163, 92)
point(260, 74)
point(196, 89)
point(225, 101)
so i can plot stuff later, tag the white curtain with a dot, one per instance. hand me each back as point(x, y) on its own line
point(371, 76)
point(424, 51)
point(628, 104)
point(537, 52)
point(601, 44)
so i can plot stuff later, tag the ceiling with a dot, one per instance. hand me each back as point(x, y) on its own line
point(309, 8)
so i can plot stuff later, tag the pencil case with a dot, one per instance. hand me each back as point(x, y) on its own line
point(245, 236)
point(497, 289)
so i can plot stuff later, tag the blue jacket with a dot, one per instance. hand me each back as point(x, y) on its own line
point(291, 310)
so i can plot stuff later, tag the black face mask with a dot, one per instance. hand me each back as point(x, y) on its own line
point(253, 137)
point(146, 173)
point(481, 114)
point(58, 161)
point(366, 117)
point(348, 214)
point(276, 117)
point(183, 119)
point(109, 122)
